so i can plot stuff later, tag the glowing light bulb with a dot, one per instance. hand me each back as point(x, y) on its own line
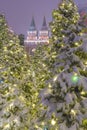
point(15, 85)
point(53, 56)
point(36, 94)
point(33, 50)
point(11, 52)
point(16, 121)
point(5, 48)
point(62, 45)
point(76, 43)
point(28, 71)
point(55, 78)
point(75, 78)
point(63, 36)
point(70, 5)
point(33, 74)
point(63, 4)
point(53, 30)
point(49, 85)
point(81, 34)
point(53, 122)
point(11, 105)
point(73, 112)
point(84, 69)
point(11, 41)
point(36, 126)
point(75, 73)
point(86, 63)
point(33, 105)
point(82, 92)
point(43, 123)
point(43, 65)
point(7, 126)
point(11, 72)
point(22, 98)
point(25, 55)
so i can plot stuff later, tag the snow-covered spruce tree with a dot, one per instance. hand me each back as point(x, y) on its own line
point(65, 95)
point(16, 86)
point(40, 73)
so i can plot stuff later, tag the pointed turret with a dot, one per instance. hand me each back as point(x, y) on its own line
point(32, 25)
point(32, 32)
point(44, 32)
point(44, 25)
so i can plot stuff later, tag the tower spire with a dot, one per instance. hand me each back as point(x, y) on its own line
point(32, 25)
point(44, 25)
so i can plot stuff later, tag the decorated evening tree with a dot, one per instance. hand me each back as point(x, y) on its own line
point(16, 83)
point(64, 96)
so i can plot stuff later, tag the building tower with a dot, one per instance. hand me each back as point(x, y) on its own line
point(44, 33)
point(32, 37)
point(35, 37)
point(32, 32)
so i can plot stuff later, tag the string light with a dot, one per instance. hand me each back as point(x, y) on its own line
point(73, 112)
point(76, 43)
point(15, 85)
point(74, 78)
point(62, 45)
point(7, 126)
point(36, 126)
point(53, 122)
point(50, 86)
point(22, 98)
point(84, 69)
point(75, 73)
point(5, 48)
point(53, 30)
point(36, 94)
point(43, 65)
point(70, 5)
point(82, 93)
point(25, 55)
point(11, 41)
point(63, 4)
point(55, 78)
point(33, 105)
point(11, 52)
point(43, 123)
point(86, 63)
point(80, 34)
point(33, 74)
point(33, 50)
point(63, 36)
point(11, 105)
point(53, 56)
point(55, 38)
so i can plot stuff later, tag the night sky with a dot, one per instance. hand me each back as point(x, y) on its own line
point(19, 12)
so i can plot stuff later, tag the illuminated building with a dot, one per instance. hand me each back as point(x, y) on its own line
point(35, 37)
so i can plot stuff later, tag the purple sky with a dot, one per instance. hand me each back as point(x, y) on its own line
point(19, 12)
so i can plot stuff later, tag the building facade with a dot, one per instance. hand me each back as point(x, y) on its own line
point(35, 37)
